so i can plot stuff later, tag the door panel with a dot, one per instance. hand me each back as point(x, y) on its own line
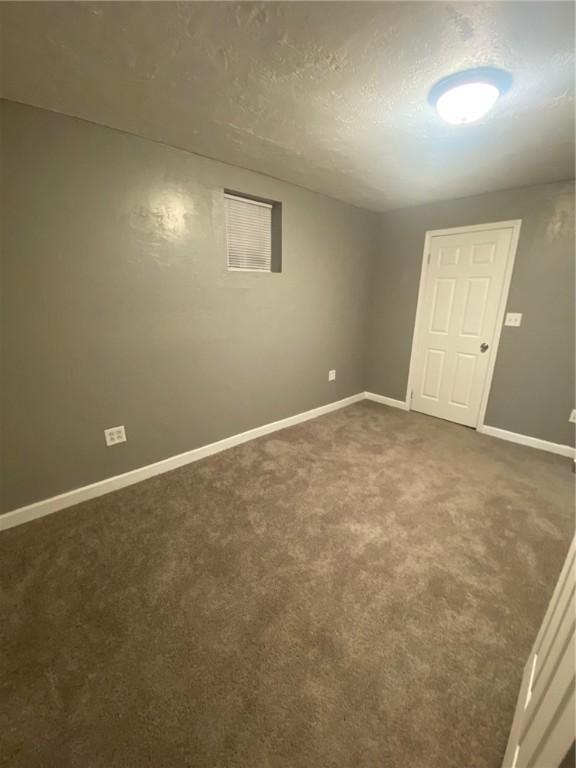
point(442, 305)
point(478, 290)
point(448, 255)
point(462, 288)
point(463, 379)
point(433, 374)
point(483, 253)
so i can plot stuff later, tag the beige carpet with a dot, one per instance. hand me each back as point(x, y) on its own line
point(360, 591)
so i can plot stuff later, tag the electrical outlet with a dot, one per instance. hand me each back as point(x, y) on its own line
point(572, 417)
point(115, 435)
point(513, 318)
point(331, 375)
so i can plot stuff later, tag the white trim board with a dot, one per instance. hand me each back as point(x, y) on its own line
point(531, 442)
point(102, 487)
point(383, 400)
point(501, 434)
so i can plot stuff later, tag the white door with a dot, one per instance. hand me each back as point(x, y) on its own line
point(465, 274)
point(544, 722)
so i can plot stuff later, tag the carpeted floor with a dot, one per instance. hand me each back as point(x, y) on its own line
point(359, 591)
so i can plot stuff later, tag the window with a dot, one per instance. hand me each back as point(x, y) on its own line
point(253, 233)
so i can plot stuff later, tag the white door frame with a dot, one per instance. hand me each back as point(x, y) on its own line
point(543, 727)
point(514, 224)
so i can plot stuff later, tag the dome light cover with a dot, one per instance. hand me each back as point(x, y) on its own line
point(467, 96)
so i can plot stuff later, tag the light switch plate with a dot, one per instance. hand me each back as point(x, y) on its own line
point(572, 417)
point(331, 375)
point(513, 318)
point(115, 435)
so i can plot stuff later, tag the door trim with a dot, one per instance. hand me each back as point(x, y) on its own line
point(514, 225)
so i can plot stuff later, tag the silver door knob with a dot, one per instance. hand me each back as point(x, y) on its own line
point(483, 347)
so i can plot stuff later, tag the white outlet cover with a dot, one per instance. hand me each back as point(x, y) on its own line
point(331, 375)
point(572, 417)
point(513, 318)
point(115, 435)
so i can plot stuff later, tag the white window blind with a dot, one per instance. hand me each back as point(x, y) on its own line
point(248, 233)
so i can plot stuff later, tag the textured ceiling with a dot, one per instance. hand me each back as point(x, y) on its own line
point(331, 96)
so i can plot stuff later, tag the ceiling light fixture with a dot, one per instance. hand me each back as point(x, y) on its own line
point(467, 96)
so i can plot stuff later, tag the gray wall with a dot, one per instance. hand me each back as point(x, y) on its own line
point(118, 308)
point(533, 385)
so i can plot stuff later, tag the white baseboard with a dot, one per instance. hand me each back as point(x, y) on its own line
point(383, 400)
point(69, 499)
point(102, 487)
point(531, 442)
